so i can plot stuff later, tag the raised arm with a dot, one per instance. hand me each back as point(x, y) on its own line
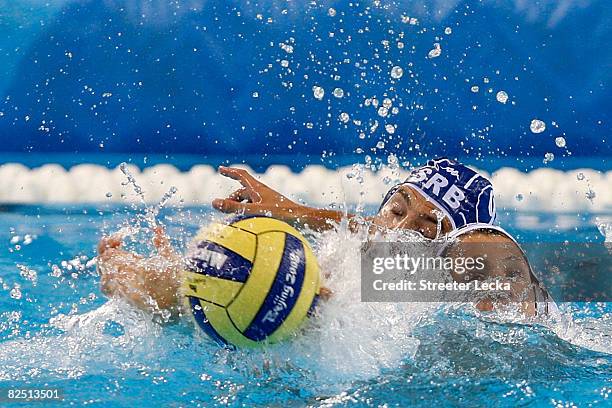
point(255, 198)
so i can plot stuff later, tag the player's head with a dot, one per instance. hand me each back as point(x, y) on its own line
point(442, 189)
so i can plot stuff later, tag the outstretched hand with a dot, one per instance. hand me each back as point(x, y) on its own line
point(255, 198)
point(150, 283)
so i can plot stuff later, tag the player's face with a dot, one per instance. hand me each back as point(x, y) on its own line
point(407, 209)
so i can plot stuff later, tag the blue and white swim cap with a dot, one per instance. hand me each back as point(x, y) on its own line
point(460, 193)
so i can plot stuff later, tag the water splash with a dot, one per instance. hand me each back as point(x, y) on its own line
point(502, 97)
point(548, 157)
point(537, 126)
point(318, 92)
point(131, 180)
point(151, 212)
point(436, 51)
point(397, 72)
point(166, 197)
point(84, 345)
point(606, 230)
point(560, 141)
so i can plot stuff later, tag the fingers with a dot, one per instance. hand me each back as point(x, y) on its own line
point(325, 293)
point(240, 175)
point(159, 230)
point(160, 239)
point(241, 194)
point(107, 283)
point(227, 205)
point(162, 242)
point(230, 206)
point(109, 242)
point(234, 202)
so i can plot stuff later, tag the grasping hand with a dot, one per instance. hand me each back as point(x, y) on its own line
point(255, 198)
point(150, 283)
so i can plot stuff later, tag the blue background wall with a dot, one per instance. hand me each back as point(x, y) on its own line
point(180, 77)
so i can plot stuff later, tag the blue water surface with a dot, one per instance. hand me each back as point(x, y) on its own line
point(125, 359)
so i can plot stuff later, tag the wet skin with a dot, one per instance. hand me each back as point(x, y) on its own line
point(151, 287)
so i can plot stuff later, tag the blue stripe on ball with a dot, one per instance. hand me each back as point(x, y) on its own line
point(284, 291)
point(200, 318)
point(235, 267)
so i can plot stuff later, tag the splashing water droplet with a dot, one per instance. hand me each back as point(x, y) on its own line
point(502, 97)
point(390, 128)
point(338, 92)
point(475, 88)
point(606, 231)
point(15, 293)
point(318, 92)
point(331, 12)
point(344, 117)
point(131, 180)
point(397, 72)
point(560, 141)
point(580, 176)
point(287, 48)
point(382, 111)
point(436, 51)
point(537, 126)
point(448, 31)
point(166, 197)
point(519, 197)
point(27, 273)
point(109, 194)
point(548, 157)
point(590, 195)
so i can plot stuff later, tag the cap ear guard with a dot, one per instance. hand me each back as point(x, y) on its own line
point(388, 196)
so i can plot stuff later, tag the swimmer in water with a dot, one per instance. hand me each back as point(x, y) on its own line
point(443, 200)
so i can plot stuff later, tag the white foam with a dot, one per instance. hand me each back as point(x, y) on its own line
point(350, 339)
point(542, 189)
point(82, 348)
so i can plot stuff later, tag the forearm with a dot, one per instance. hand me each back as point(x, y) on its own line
point(316, 218)
point(320, 219)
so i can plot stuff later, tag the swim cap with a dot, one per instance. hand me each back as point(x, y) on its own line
point(462, 194)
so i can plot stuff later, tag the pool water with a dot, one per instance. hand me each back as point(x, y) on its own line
point(58, 330)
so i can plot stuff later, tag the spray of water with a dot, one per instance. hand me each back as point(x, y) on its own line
point(151, 212)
